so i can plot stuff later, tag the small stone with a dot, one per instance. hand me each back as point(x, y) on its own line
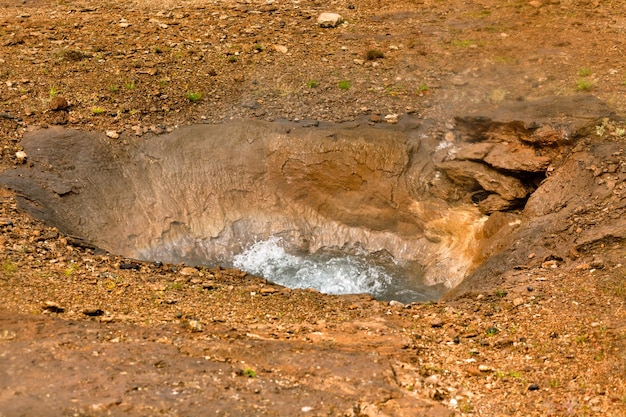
point(20, 156)
point(394, 303)
point(112, 134)
point(391, 118)
point(208, 285)
point(436, 322)
point(268, 290)
point(597, 264)
point(281, 48)
point(535, 3)
point(130, 265)
point(5, 222)
point(53, 307)
point(188, 271)
point(518, 301)
point(58, 103)
point(329, 20)
point(533, 387)
point(7, 335)
point(458, 81)
point(432, 380)
point(93, 312)
point(195, 326)
point(484, 368)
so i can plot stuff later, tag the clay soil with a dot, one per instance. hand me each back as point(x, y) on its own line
point(84, 333)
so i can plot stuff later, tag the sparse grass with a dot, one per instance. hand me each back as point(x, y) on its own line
point(584, 72)
point(422, 89)
point(500, 293)
point(177, 286)
point(71, 269)
point(583, 85)
point(461, 43)
point(130, 85)
point(9, 267)
point(344, 84)
point(97, 110)
point(583, 338)
point(249, 373)
point(312, 83)
point(491, 331)
point(53, 92)
point(257, 47)
point(374, 54)
point(194, 96)
point(113, 89)
point(553, 383)
point(233, 58)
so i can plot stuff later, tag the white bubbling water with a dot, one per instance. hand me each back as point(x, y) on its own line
point(327, 273)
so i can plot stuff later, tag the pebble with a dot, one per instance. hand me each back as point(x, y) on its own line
point(20, 156)
point(437, 322)
point(112, 134)
point(533, 387)
point(432, 380)
point(329, 20)
point(394, 303)
point(195, 326)
point(188, 271)
point(281, 48)
point(93, 312)
point(7, 335)
point(391, 118)
point(268, 290)
point(53, 307)
point(484, 368)
point(58, 103)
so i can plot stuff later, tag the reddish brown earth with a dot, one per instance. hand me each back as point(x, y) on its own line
point(81, 336)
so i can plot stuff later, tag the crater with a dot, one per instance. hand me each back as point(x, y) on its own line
point(405, 212)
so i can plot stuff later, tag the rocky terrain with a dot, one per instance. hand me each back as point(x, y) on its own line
point(526, 99)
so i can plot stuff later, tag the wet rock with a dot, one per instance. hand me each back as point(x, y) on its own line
point(473, 176)
point(329, 20)
point(513, 157)
point(533, 387)
point(130, 265)
point(58, 103)
point(494, 203)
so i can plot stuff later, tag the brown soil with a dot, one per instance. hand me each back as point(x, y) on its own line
point(79, 335)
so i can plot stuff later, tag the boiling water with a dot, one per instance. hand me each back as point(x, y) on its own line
point(334, 273)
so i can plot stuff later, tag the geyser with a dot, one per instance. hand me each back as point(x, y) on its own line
point(335, 200)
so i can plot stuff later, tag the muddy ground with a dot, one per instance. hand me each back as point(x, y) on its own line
point(87, 333)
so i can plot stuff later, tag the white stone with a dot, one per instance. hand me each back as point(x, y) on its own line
point(112, 134)
point(329, 20)
point(21, 156)
point(281, 48)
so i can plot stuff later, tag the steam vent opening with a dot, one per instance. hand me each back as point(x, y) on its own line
point(403, 212)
